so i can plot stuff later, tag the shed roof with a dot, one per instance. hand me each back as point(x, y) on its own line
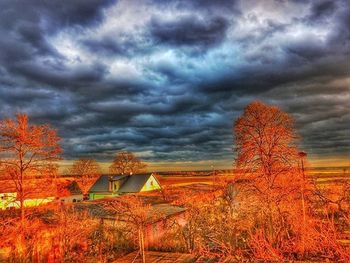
point(68, 188)
point(99, 209)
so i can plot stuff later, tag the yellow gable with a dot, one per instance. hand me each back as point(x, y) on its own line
point(151, 184)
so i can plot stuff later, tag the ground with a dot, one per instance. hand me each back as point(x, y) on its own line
point(165, 257)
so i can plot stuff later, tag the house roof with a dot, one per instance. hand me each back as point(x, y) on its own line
point(133, 183)
point(99, 209)
point(165, 210)
point(101, 185)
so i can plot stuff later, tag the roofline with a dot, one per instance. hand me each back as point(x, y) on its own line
point(150, 174)
point(148, 222)
point(167, 217)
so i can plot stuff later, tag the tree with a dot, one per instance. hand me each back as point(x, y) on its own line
point(27, 151)
point(127, 163)
point(267, 158)
point(137, 215)
point(86, 170)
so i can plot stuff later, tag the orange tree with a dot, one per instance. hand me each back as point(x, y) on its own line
point(27, 151)
point(267, 161)
point(127, 163)
point(136, 214)
point(86, 171)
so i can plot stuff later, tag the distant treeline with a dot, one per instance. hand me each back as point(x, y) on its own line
point(198, 173)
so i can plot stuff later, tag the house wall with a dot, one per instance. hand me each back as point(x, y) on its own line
point(37, 201)
point(72, 198)
point(150, 185)
point(95, 196)
point(8, 200)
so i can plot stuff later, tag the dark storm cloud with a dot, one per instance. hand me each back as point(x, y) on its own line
point(114, 46)
point(48, 75)
point(167, 78)
point(321, 10)
point(189, 31)
point(207, 6)
point(30, 22)
point(60, 14)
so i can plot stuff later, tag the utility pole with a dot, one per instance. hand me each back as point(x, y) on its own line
point(303, 155)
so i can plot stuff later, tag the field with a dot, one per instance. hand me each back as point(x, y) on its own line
point(182, 180)
point(321, 176)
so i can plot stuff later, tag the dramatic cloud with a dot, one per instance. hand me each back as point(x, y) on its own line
point(189, 30)
point(166, 79)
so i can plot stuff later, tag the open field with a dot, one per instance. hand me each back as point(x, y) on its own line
point(181, 180)
point(319, 175)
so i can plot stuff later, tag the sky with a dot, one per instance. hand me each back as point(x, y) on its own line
point(167, 79)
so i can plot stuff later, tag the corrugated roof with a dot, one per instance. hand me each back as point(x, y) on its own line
point(165, 210)
point(155, 213)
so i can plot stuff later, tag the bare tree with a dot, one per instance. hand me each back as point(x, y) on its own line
point(267, 158)
point(136, 214)
point(27, 151)
point(86, 171)
point(127, 163)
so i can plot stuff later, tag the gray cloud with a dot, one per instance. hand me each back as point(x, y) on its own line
point(169, 78)
point(189, 31)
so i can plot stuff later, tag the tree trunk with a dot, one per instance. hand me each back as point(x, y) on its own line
point(142, 245)
point(21, 201)
point(270, 220)
point(303, 207)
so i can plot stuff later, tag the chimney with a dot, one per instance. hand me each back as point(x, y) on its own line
point(110, 183)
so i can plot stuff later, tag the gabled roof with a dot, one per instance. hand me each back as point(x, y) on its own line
point(101, 185)
point(132, 184)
